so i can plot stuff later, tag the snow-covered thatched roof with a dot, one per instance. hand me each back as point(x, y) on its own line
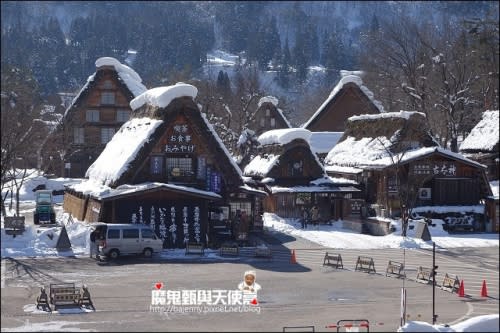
point(283, 136)
point(484, 136)
point(131, 80)
point(377, 141)
point(154, 111)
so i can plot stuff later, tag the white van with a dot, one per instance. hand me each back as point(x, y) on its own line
point(115, 240)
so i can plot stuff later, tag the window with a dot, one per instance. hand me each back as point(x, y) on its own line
point(78, 135)
point(179, 167)
point(92, 115)
point(147, 233)
point(107, 98)
point(295, 168)
point(268, 112)
point(107, 84)
point(130, 233)
point(262, 122)
point(273, 122)
point(107, 134)
point(114, 234)
point(122, 115)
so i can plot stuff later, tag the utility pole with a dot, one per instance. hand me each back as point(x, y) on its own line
point(434, 268)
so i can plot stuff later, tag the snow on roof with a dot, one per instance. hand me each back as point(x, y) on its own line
point(342, 169)
point(323, 142)
point(268, 99)
point(283, 136)
point(127, 74)
point(284, 118)
point(401, 114)
point(363, 152)
point(122, 149)
point(99, 191)
point(222, 145)
point(130, 77)
point(312, 188)
point(347, 77)
point(261, 165)
point(162, 96)
point(370, 152)
point(485, 135)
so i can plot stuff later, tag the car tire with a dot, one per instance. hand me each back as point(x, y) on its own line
point(113, 254)
point(36, 219)
point(148, 253)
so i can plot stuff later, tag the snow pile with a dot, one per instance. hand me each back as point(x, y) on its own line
point(337, 237)
point(162, 96)
point(485, 135)
point(486, 323)
point(284, 136)
point(122, 149)
point(127, 74)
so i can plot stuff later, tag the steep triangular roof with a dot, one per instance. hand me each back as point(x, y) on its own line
point(276, 146)
point(349, 80)
point(274, 102)
point(131, 82)
point(154, 111)
point(369, 139)
point(484, 137)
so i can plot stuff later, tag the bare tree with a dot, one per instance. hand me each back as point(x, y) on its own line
point(20, 109)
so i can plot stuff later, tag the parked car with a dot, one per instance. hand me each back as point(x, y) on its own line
point(44, 210)
point(115, 240)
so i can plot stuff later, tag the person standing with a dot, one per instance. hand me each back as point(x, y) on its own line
point(315, 215)
point(305, 217)
point(93, 243)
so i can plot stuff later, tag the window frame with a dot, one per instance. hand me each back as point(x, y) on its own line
point(108, 98)
point(78, 135)
point(92, 116)
point(105, 132)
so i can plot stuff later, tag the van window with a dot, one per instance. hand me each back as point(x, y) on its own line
point(147, 233)
point(114, 234)
point(130, 233)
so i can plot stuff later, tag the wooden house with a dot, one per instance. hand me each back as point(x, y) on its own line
point(294, 178)
point(94, 116)
point(268, 116)
point(394, 155)
point(348, 98)
point(482, 143)
point(167, 167)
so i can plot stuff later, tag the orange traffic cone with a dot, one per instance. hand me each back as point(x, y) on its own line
point(461, 291)
point(484, 292)
point(293, 260)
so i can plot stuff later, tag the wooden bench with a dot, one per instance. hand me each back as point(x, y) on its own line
point(64, 294)
point(195, 248)
point(263, 252)
point(365, 264)
point(336, 260)
point(450, 284)
point(229, 251)
point(395, 268)
point(424, 275)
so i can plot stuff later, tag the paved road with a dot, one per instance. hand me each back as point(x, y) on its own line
point(301, 294)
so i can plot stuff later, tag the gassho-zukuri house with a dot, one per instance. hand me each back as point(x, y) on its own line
point(291, 173)
point(441, 183)
point(166, 167)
